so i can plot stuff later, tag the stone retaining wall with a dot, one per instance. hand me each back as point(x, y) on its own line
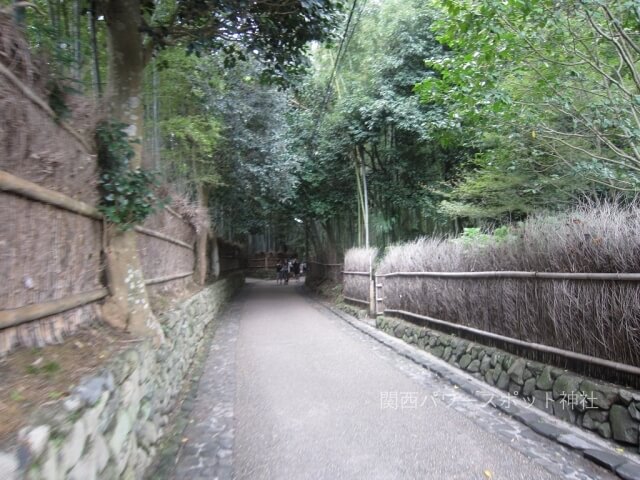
point(111, 423)
point(609, 410)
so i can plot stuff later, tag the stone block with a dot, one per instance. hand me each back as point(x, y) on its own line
point(565, 411)
point(604, 430)
point(92, 415)
point(465, 360)
point(496, 372)
point(147, 434)
point(592, 420)
point(634, 410)
point(535, 367)
point(623, 427)
point(474, 366)
point(9, 466)
point(85, 469)
point(496, 359)
point(566, 385)
point(488, 377)
point(516, 371)
point(35, 439)
point(50, 465)
point(529, 387)
point(503, 381)
point(514, 389)
point(73, 446)
point(601, 395)
point(447, 353)
point(120, 433)
point(485, 364)
point(574, 441)
point(543, 400)
point(507, 361)
point(545, 381)
point(100, 452)
point(605, 459)
point(628, 471)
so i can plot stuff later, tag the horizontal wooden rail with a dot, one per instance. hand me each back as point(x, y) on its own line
point(620, 367)
point(24, 188)
point(162, 236)
point(631, 277)
point(174, 213)
point(168, 278)
point(31, 95)
point(357, 300)
point(18, 316)
point(327, 264)
point(364, 274)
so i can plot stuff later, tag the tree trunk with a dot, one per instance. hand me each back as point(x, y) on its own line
point(129, 303)
point(95, 61)
point(77, 44)
point(202, 238)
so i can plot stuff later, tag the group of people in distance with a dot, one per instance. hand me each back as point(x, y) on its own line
point(287, 268)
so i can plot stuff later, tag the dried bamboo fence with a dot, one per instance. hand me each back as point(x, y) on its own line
point(166, 244)
point(515, 311)
point(51, 239)
point(318, 272)
point(263, 262)
point(51, 261)
point(358, 275)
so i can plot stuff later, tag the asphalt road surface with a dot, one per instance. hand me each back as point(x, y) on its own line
point(291, 391)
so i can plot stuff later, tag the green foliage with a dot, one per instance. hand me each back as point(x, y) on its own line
point(128, 198)
point(371, 115)
point(276, 32)
point(475, 237)
point(543, 88)
point(50, 368)
point(127, 195)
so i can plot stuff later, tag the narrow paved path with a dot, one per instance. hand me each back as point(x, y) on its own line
point(317, 399)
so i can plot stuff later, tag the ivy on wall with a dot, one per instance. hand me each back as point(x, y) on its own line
point(128, 196)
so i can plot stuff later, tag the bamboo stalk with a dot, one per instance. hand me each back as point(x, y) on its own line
point(620, 367)
point(18, 316)
point(162, 236)
point(11, 183)
point(168, 278)
point(517, 274)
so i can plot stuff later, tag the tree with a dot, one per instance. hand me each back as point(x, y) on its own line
point(368, 126)
point(559, 80)
point(276, 31)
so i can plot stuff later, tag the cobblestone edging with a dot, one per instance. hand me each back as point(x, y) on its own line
point(606, 409)
point(110, 426)
point(201, 445)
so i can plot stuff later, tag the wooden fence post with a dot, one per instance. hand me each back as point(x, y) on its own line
point(379, 295)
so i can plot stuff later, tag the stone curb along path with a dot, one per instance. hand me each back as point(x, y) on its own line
point(591, 447)
point(202, 442)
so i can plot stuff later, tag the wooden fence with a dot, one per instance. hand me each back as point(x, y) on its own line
point(52, 264)
point(318, 271)
point(387, 301)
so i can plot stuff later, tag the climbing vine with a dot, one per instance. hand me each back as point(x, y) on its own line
point(128, 196)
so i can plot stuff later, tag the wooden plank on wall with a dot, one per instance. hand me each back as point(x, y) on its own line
point(28, 313)
point(24, 188)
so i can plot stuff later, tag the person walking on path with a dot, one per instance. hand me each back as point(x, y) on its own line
point(286, 268)
point(296, 269)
